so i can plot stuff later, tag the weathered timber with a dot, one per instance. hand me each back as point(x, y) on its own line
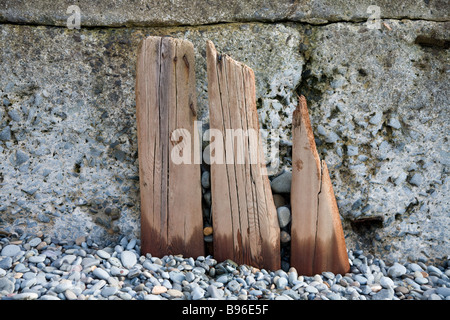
point(244, 215)
point(170, 187)
point(317, 238)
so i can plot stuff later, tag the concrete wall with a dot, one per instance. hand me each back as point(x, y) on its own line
point(378, 100)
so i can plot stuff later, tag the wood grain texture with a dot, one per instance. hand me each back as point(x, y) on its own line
point(171, 213)
point(244, 215)
point(317, 237)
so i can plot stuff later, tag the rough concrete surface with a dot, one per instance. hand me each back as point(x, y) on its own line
point(378, 100)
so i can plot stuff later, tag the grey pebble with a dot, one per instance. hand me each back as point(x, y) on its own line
point(26, 296)
point(108, 291)
point(282, 283)
point(101, 273)
point(397, 270)
point(128, 259)
point(197, 293)
point(10, 250)
point(103, 254)
point(284, 216)
point(282, 183)
point(6, 285)
point(205, 180)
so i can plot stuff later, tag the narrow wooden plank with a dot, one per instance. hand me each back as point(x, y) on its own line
point(147, 116)
point(186, 225)
point(243, 210)
point(331, 252)
point(171, 216)
point(315, 218)
point(221, 206)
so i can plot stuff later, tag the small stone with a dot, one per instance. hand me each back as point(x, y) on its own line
point(384, 294)
point(26, 296)
point(63, 286)
point(116, 271)
point(282, 183)
point(397, 270)
point(10, 250)
point(284, 237)
point(176, 277)
point(205, 180)
point(215, 292)
point(34, 242)
point(49, 297)
point(376, 287)
point(128, 259)
point(361, 279)
point(6, 263)
point(443, 291)
point(434, 269)
point(131, 244)
point(386, 282)
point(152, 297)
point(415, 267)
point(108, 291)
point(159, 289)
point(401, 289)
point(328, 274)
point(37, 259)
point(103, 254)
point(101, 273)
point(233, 286)
point(421, 280)
point(70, 295)
point(284, 216)
point(175, 293)
point(197, 293)
point(311, 289)
point(281, 283)
point(207, 231)
point(6, 285)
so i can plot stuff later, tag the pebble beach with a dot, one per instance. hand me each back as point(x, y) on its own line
point(36, 267)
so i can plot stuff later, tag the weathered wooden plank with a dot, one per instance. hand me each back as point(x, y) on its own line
point(317, 238)
point(244, 215)
point(171, 215)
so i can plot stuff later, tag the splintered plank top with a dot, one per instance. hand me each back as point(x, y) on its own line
point(317, 238)
point(171, 213)
point(244, 215)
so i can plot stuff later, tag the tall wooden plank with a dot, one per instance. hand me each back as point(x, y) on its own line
point(244, 215)
point(317, 241)
point(171, 216)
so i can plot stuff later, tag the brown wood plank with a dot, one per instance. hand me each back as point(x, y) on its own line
point(171, 216)
point(317, 242)
point(244, 215)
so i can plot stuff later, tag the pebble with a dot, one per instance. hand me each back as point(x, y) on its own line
point(101, 273)
point(282, 183)
point(10, 250)
point(205, 180)
point(284, 216)
point(175, 293)
point(70, 271)
point(128, 259)
point(159, 289)
point(397, 270)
